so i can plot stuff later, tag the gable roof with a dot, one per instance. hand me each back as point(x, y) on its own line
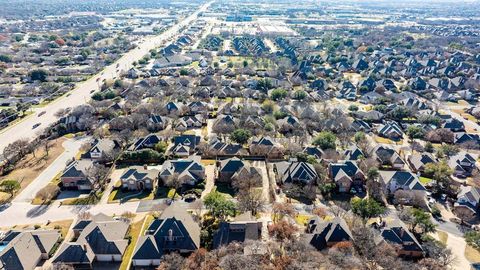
point(25, 250)
point(242, 228)
point(296, 171)
point(319, 233)
point(404, 179)
point(175, 223)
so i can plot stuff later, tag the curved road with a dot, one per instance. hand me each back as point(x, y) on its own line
point(82, 92)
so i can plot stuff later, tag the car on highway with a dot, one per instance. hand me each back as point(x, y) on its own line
point(41, 113)
point(36, 125)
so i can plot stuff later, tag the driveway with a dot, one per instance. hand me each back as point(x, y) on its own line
point(210, 179)
point(115, 177)
point(457, 245)
point(71, 146)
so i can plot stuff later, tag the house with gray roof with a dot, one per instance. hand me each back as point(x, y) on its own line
point(391, 130)
point(242, 228)
point(395, 180)
point(76, 176)
point(295, 172)
point(346, 175)
point(102, 148)
point(24, 250)
point(462, 164)
point(395, 232)
point(418, 161)
point(389, 157)
point(324, 234)
point(139, 178)
point(266, 146)
point(102, 239)
point(468, 199)
point(190, 170)
point(174, 231)
point(235, 168)
point(147, 142)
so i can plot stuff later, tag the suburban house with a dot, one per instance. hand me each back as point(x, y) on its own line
point(396, 233)
point(101, 239)
point(229, 169)
point(102, 148)
point(324, 234)
point(190, 121)
point(391, 130)
point(454, 125)
point(190, 170)
point(418, 161)
point(389, 157)
point(219, 148)
point(174, 231)
point(139, 178)
point(353, 153)
point(156, 122)
point(462, 164)
point(313, 151)
point(76, 176)
point(146, 142)
point(395, 180)
point(267, 147)
point(185, 145)
point(467, 202)
point(24, 250)
point(346, 175)
point(244, 227)
point(295, 172)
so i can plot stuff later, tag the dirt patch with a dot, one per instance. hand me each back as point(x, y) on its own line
point(32, 165)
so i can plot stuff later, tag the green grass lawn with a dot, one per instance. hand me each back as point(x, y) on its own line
point(118, 194)
point(136, 229)
point(425, 180)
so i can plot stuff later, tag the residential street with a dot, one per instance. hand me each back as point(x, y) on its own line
point(18, 213)
point(72, 146)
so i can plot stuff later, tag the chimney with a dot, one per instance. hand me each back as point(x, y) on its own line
point(145, 166)
point(170, 235)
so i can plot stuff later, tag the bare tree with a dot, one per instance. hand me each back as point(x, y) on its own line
point(251, 200)
point(98, 174)
point(48, 193)
point(175, 182)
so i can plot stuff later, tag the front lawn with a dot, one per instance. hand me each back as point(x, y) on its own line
point(89, 200)
point(302, 219)
point(119, 195)
point(424, 180)
point(472, 254)
point(133, 234)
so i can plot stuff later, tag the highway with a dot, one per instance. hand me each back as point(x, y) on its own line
point(83, 91)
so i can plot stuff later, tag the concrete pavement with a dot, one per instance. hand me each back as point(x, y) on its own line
point(21, 213)
point(71, 146)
